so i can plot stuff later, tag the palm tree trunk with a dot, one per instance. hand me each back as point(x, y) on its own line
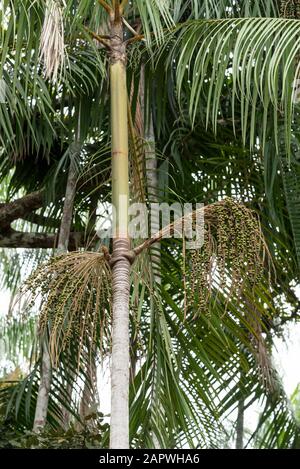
point(41, 410)
point(119, 424)
point(67, 216)
point(43, 392)
point(240, 425)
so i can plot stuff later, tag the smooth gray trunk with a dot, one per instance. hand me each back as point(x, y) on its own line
point(43, 392)
point(240, 425)
point(67, 216)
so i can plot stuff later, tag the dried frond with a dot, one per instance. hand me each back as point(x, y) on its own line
point(137, 169)
point(136, 151)
point(263, 359)
point(75, 292)
point(254, 320)
point(52, 47)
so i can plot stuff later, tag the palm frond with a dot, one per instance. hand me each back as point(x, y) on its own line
point(255, 56)
point(156, 18)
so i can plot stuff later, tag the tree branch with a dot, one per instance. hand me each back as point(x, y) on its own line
point(123, 5)
point(130, 28)
point(135, 39)
point(104, 40)
point(116, 6)
point(19, 208)
point(106, 7)
point(17, 239)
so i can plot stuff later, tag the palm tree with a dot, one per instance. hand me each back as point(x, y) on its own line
point(193, 46)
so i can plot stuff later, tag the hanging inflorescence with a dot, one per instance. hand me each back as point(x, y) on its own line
point(232, 255)
point(75, 294)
